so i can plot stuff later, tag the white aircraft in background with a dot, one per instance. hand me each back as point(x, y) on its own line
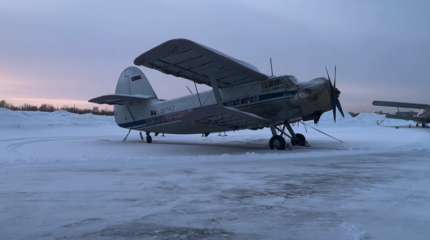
point(422, 116)
point(241, 97)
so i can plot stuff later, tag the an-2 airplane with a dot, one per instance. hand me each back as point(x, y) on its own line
point(241, 97)
point(421, 117)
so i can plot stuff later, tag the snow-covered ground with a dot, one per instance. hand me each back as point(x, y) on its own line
point(67, 176)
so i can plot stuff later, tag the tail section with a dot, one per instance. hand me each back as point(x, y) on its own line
point(132, 81)
point(133, 94)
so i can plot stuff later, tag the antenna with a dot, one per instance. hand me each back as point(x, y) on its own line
point(271, 66)
point(189, 89)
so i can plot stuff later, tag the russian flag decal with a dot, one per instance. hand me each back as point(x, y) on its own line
point(135, 78)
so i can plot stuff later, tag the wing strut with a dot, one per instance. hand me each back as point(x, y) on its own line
point(195, 85)
point(215, 88)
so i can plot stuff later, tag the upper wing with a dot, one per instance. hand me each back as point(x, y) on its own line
point(225, 117)
point(194, 61)
point(401, 104)
point(120, 99)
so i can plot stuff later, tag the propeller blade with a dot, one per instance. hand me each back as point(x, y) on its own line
point(339, 107)
point(327, 74)
point(334, 76)
point(331, 85)
point(333, 106)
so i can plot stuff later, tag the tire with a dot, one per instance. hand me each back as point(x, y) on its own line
point(301, 142)
point(148, 139)
point(277, 142)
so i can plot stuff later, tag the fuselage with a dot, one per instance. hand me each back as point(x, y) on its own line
point(278, 99)
point(424, 113)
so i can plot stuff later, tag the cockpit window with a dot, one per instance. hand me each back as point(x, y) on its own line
point(293, 79)
point(271, 83)
point(264, 85)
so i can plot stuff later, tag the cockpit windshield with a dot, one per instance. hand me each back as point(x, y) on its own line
point(287, 81)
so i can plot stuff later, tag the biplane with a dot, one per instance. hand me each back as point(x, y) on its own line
point(422, 116)
point(241, 97)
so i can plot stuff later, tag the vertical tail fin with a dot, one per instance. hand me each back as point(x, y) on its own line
point(132, 81)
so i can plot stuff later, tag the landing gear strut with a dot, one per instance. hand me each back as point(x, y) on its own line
point(278, 141)
point(296, 139)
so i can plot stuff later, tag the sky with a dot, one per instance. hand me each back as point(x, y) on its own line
point(67, 52)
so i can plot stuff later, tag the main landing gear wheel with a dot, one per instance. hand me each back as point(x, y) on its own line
point(277, 142)
point(301, 142)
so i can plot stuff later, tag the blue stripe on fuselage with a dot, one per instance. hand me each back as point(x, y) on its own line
point(261, 97)
point(276, 95)
point(132, 124)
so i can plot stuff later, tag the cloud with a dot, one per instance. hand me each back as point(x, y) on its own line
point(77, 49)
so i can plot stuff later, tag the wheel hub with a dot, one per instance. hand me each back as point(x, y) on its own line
point(276, 143)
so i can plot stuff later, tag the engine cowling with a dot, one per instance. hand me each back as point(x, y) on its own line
point(314, 98)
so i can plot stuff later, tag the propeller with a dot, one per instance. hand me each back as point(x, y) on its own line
point(335, 103)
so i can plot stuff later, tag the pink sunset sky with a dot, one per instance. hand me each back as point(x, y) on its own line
point(67, 52)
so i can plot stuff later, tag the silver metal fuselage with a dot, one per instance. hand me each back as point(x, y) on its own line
point(291, 102)
point(424, 113)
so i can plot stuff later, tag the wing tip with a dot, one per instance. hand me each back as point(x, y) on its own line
point(138, 61)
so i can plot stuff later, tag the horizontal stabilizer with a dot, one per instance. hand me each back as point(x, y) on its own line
point(225, 117)
point(120, 99)
point(400, 104)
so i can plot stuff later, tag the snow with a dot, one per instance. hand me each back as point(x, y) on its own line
point(70, 176)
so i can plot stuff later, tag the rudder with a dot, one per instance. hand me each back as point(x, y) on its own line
point(132, 81)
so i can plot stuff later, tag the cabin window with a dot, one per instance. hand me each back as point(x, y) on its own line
point(251, 99)
point(270, 84)
point(264, 85)
point(277, 82)
point(246, 100)
point(238, 102)
point(230, 103)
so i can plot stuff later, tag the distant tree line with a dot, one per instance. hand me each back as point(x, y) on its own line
point(380, 112)
point(50, 108)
